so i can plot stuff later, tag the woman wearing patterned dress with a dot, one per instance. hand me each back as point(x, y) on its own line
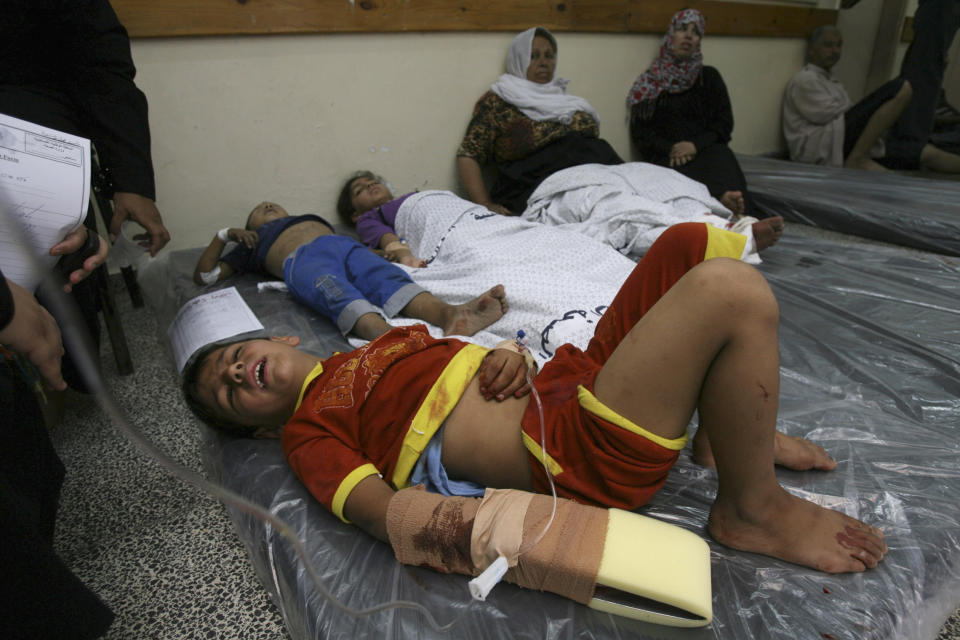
point(528, 126)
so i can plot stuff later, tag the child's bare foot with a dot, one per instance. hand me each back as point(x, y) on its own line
point(733, 200)
point(799, 454)
point(468, 318)
point(795, 530)
point(788, 451)
point(767, 232)
point(865, 163)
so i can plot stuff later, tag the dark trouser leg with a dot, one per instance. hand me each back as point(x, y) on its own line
point(45, 599)
point(935, 24)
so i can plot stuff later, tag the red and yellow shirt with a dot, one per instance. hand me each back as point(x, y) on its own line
point(373, 411)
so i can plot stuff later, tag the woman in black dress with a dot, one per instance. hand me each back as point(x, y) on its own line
point(680, 115)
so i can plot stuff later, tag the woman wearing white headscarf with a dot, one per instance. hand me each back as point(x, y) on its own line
point(680, 114)
point(529, 127)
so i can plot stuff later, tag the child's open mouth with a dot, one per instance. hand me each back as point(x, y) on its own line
point(259, 373)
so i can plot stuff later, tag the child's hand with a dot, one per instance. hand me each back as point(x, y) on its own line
point(396, 252)
point(503, 373)
point(243, 236)
point(413, 261)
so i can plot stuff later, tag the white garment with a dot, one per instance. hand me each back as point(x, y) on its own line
point(813, 108)
point(537, 101)
point(558, 282)
point(628, 206)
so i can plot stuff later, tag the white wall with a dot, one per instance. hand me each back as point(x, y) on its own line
point(241, 119)
point(858, 25)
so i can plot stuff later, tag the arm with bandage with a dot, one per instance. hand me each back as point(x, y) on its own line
point(608, 559)
point(210, 267)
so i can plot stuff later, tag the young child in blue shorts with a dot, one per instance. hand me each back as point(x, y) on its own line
point(337, 276)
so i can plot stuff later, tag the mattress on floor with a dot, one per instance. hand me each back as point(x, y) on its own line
point(900, 209)
point(870, 347)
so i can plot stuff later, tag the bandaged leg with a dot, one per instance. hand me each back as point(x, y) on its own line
point(611, 560)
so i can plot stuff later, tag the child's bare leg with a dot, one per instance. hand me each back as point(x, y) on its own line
point(791, 452)
point(936, 159)
point(460, 319)
point(370, 325)
point(881, 120)
point(711, 343)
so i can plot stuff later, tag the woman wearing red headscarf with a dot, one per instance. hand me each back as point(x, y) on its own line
point(680, 115)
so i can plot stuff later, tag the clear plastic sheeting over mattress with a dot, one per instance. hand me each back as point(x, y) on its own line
point(870, 344)
point(905, 210)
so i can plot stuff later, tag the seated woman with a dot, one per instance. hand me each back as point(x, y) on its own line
point(528, 126)
point(680, 115)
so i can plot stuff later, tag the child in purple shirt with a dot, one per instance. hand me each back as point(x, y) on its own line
point(368, 204)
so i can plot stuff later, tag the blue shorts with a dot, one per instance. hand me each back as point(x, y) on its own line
point(341, 279)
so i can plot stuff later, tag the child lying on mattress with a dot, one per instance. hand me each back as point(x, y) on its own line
point(336, 276)
point(367, 203)
point(683, 334)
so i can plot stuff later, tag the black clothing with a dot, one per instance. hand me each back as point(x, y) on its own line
point(66, 64)
point(43, 599)
point(6, 303)
point(934, 25)
point(701, 115)
point(518, 179)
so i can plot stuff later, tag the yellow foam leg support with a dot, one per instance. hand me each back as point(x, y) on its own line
point(654, 571)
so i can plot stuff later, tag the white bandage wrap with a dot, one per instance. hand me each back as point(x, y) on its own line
point(209, 277)
point(224, 234)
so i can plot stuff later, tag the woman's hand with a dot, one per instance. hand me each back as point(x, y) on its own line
point(682, 152)
point(503, 373)
point(243, 236)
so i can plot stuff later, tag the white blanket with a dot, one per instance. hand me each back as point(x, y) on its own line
point(558, 282)
point(626, 206)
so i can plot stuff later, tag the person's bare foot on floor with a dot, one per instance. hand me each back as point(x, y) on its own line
point(790, 452)
point(792, 529)
point(864, 163)
point(799, 454)
point(468, 318)
point(733, 200)
point(767, 232)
